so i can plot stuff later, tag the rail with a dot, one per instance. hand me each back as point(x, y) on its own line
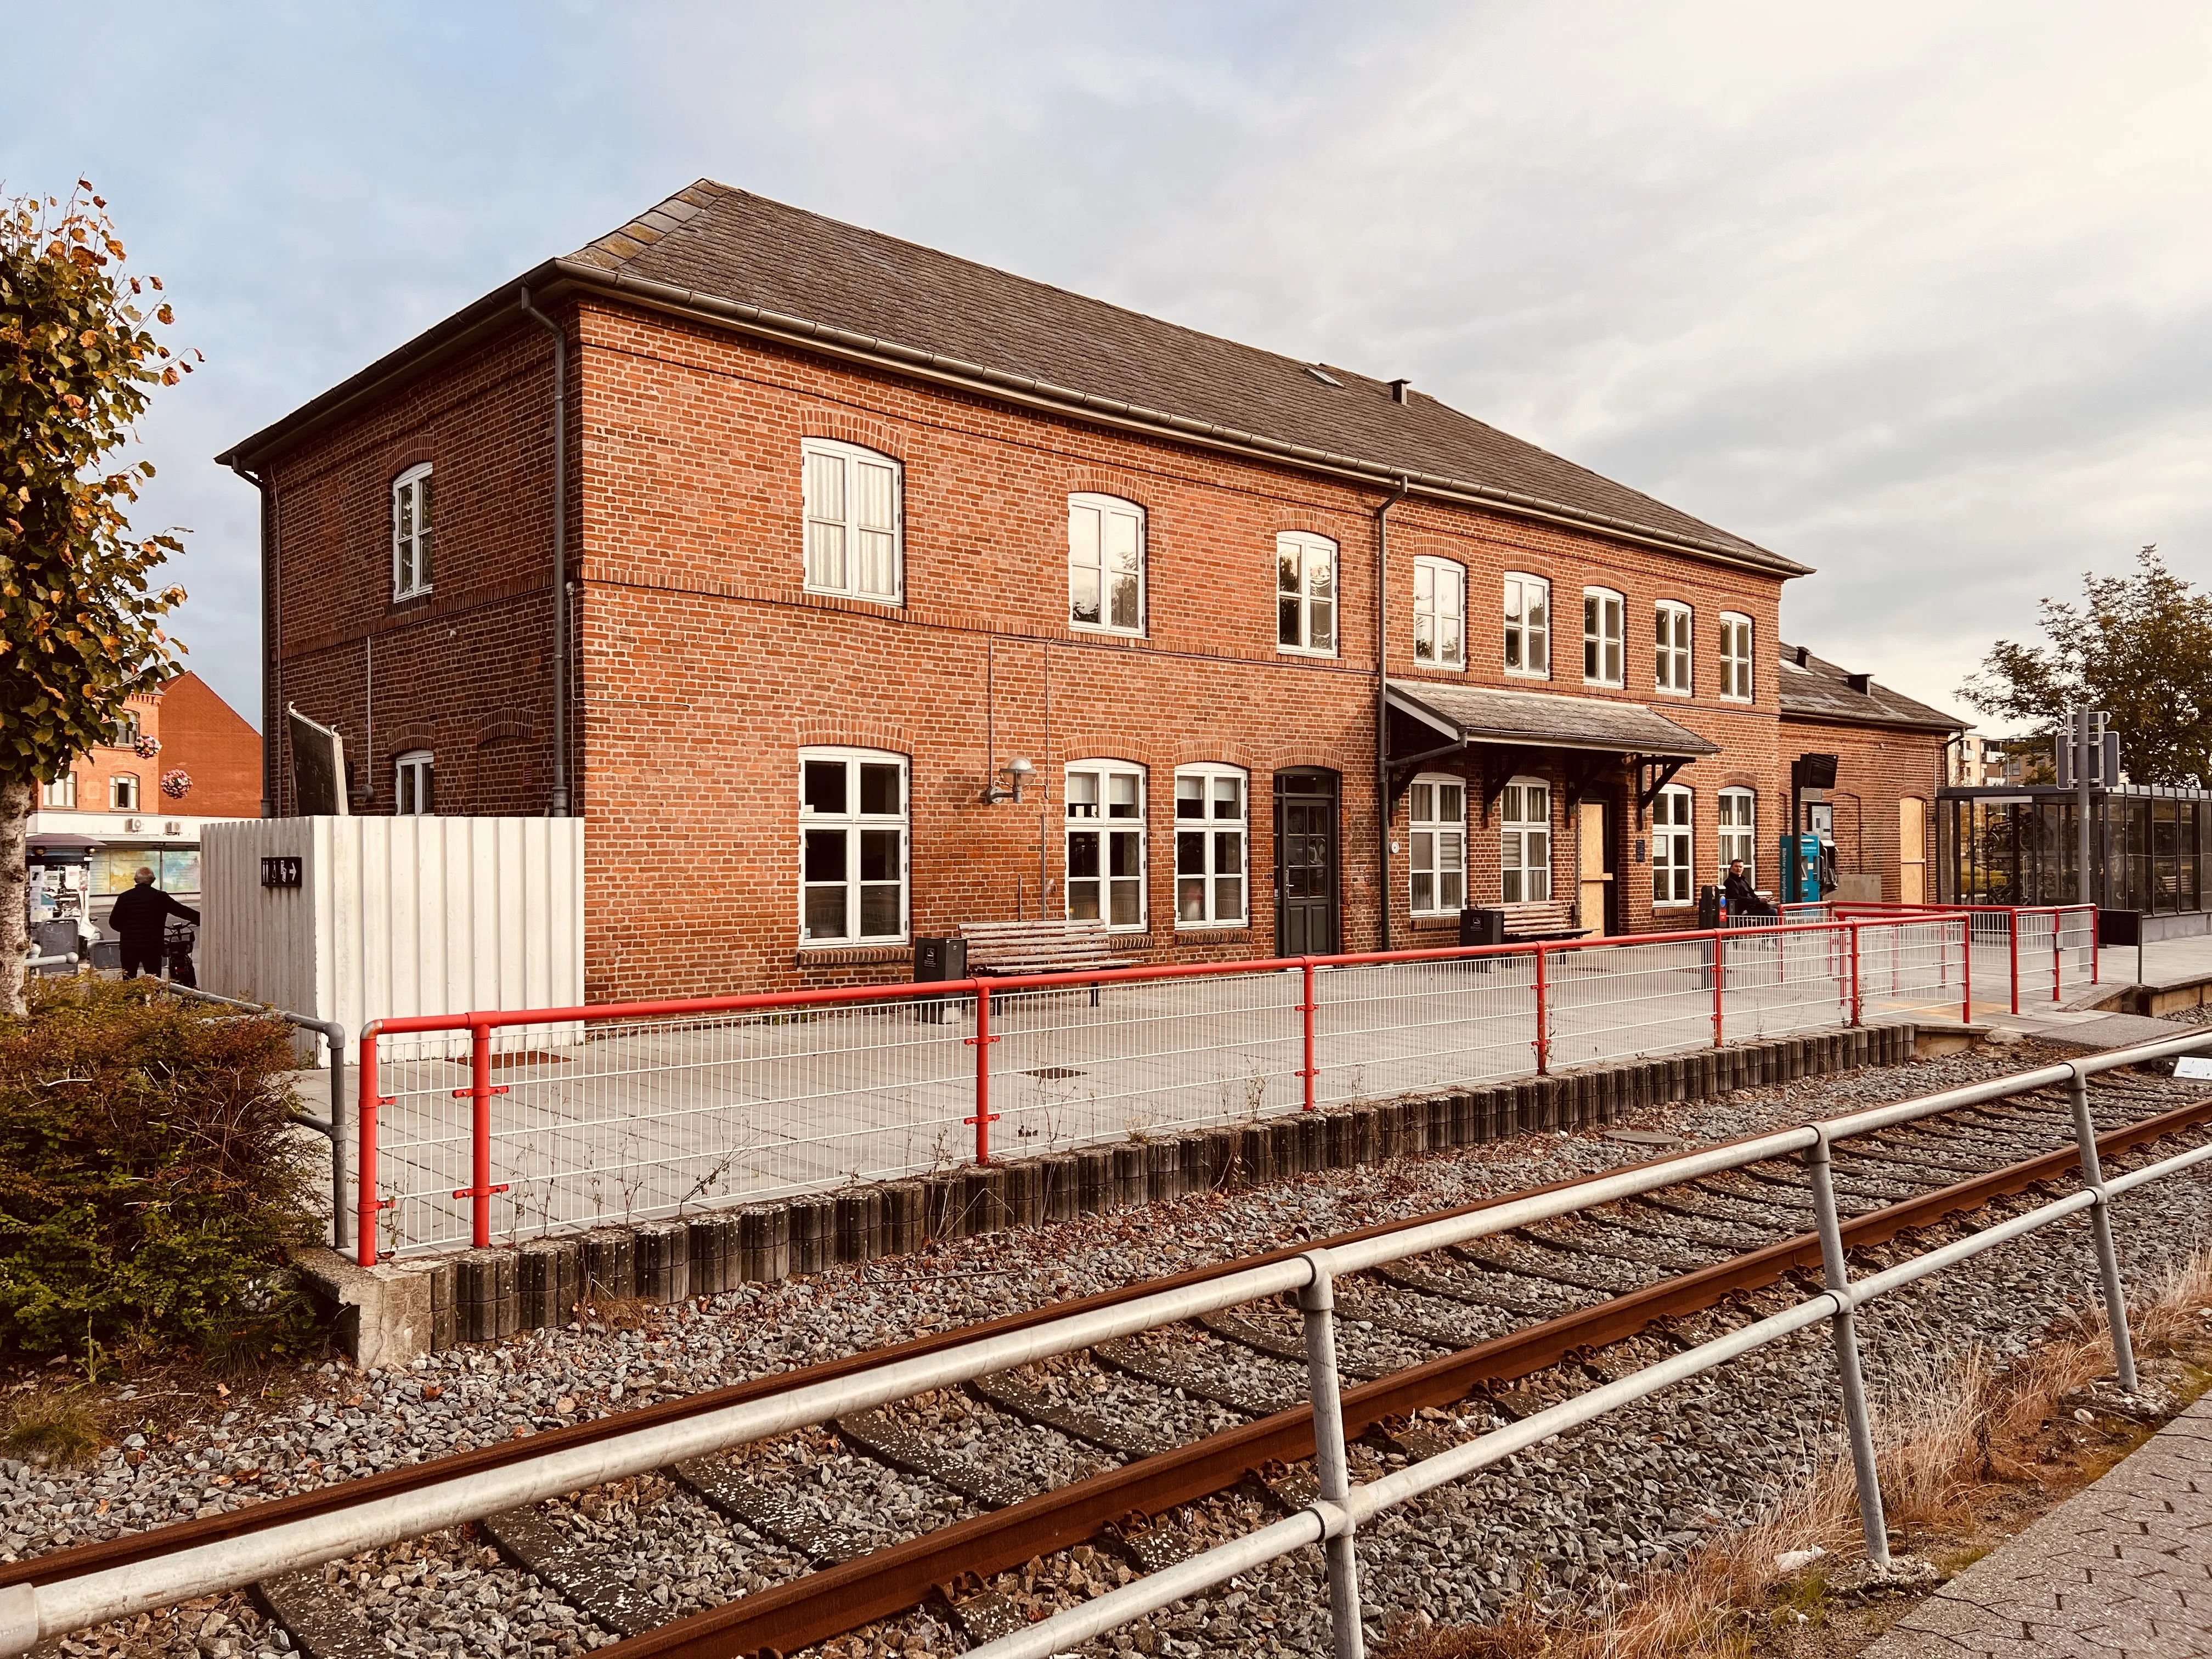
point(2022, 943)
point(33, 1612)
point(643, 1111)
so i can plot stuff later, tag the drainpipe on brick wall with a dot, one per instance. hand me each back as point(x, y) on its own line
point(1381, 705)
point(270, 754)
point(559, 807)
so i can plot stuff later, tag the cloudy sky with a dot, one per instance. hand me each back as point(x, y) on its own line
point(1918, 294)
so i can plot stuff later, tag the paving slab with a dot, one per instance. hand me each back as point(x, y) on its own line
point(2120, 1570)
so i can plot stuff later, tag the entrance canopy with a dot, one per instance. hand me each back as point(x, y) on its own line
point(1429, 721)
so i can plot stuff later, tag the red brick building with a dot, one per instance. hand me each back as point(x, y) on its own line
point(848, 526)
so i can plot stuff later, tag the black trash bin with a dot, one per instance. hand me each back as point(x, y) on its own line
point(1481, 926)
point(936, 960)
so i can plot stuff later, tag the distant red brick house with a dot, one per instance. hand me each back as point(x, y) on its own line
point(1300, 659)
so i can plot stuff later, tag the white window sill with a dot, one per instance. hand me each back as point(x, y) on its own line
point(411, 594)
point(857, 599)
point(1214, 926)
point(1282, 650)
point(1420, 667)
point(1529, 674)
point(898, 944)
point(1668, 691)
point(1604, 685)
point(1741, 703)
point(1103, 630)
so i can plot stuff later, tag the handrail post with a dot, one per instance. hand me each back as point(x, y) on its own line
point(2058, 947)
point(479, 1092)
point(1543, 1020)
point(1843, 1328)
point(1317, 1303)
point(2100, 1229)
point(1720, 974)
point(366, 1204)
point(1309, 1071)
point(1852, 929)
point(2012, 941)
point(1966, 973)
point(2096, 946)
point(982, 1040)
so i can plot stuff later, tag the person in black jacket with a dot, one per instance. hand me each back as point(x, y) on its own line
point(138, 918)
point(1743, 899)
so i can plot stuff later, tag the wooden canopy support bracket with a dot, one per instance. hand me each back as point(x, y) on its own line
point(1656, 773)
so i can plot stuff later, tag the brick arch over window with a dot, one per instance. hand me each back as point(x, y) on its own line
point(1196, 752)
point(1737, 780)
point(497, 728)
point(835, 734)
point(878, 435)
point(1137, 488)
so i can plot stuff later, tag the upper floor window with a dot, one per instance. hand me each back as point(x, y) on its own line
point(1602, 627)
point(853, 518)
point(411, 790)
point(1437, 820)
point(410, 532)
point(1739, 823)
point(1440, 613)
point(61, 793)
point(1528, 626)
point(1305, 593)
point(1105, 564)
point(1210, 846)
point(1106, 843)
point(1524, 851)
point(123, 793)
point(852, 861)
point(1670, 658)
point(125, 733)
point(1736, 656)
point(1671, 820)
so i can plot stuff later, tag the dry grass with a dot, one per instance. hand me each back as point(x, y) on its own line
point(53, 1428)
point(1944, 1441)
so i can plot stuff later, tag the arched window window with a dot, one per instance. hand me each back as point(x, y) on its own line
point(412, 787)
point(1736, 656)
point(1436, 817)
point(1673, 815)
point(1601, 629)
point(1524, 841)
point(123, 793)
point(1739, 831)
point(1440, 613)
point(854, 515)
point(410, 532)
point(1670, 656)
point(853, 847)
point(1211, 846)
point(1305, 593)
point(1105, 564)
point(1528, 626)
point(1106, 843)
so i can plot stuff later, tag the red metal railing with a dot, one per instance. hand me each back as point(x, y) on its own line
point(2018, 921)
point(1784, 963)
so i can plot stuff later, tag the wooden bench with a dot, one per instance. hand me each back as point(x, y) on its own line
point(1542, 918)
point(1004, 949)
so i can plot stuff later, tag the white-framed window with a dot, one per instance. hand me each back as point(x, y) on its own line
point(1739, 832)
point(854, 510)
point(1106, 843)
point(1440, 613)
point(123, 793)
point(1736, 656)
point(61, 793)
point(410, 532)
point(1528, 626)
point(1105, 564)
point(1305, 593)
point(1670, 653)
point(1602, 610)
point(853, 847)
point(1210, 846)
point(125, 733)
point(1673, 815)
point(1524, 845)
point(413, 793)
point(1438, 869)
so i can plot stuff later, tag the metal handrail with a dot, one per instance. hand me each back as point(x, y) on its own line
point(32, 1613)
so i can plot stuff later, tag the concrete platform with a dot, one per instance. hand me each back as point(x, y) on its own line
point(2122, 1568)
point(2177, 973)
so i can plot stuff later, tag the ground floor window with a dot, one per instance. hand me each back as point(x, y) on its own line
point(1740, 831)
point(1106, 843)
point(62, 792)
point(1672, 816)
point(1438, 865)
point(1525, 842)
point(853, 845)
point(1210, 846)
point(412, 787)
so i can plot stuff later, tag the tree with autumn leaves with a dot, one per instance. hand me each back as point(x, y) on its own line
point(80, 616)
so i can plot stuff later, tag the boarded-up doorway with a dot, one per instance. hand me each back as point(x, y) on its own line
point(1595, 887)
point(1912, 851)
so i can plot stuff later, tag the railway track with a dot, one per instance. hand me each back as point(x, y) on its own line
point(986, 1505)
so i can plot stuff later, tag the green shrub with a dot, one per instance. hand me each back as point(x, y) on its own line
point(151, 1180)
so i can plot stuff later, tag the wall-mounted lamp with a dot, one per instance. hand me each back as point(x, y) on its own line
point(1016, 772)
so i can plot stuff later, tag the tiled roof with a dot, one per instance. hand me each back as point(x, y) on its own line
point(1481, 714)
point(1818, 689)
point(814, 276)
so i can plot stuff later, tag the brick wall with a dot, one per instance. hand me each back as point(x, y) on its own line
point(211, 742)
point(1878, 770)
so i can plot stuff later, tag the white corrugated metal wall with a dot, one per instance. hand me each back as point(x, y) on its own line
point(397, 915)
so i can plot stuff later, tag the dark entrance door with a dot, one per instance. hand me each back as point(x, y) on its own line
point(1305, 863)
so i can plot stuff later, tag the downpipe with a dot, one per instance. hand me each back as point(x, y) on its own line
point(558, 805)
